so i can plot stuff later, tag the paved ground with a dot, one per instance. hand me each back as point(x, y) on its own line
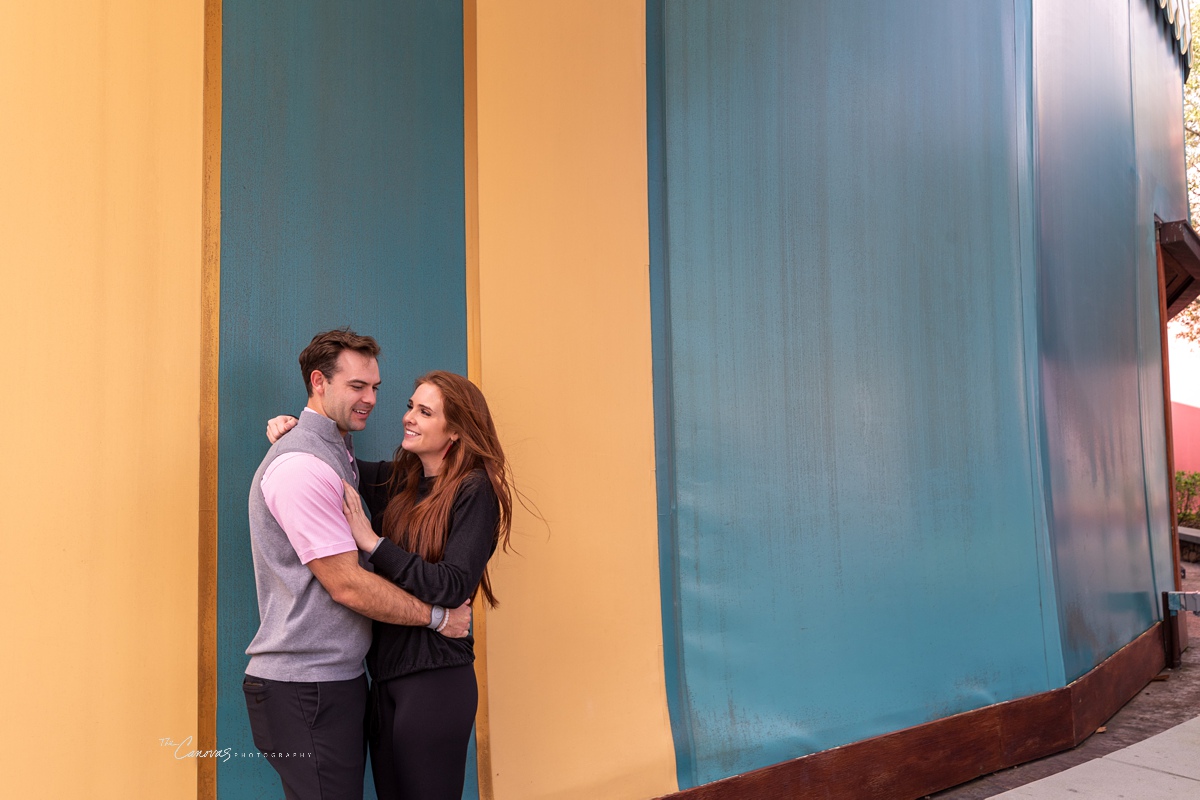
point(1161, 705)
point(1162, 767)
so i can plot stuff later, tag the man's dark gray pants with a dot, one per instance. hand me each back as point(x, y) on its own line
point(312, 734)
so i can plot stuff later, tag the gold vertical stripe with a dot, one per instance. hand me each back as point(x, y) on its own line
point(483, 751)
point(561, 104)
point(210, 307)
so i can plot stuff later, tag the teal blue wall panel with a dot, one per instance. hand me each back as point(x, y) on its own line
point(1162, 192)
point(341, 204)
point(841, 260)
point(1098, 313)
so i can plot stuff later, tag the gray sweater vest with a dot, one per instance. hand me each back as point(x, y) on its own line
point(303, 634)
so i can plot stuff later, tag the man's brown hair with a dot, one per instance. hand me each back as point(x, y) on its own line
point(323, 351)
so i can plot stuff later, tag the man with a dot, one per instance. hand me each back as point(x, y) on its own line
point(306, 692)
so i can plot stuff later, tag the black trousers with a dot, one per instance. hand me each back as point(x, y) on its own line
point(312, 734)
point(421, 726)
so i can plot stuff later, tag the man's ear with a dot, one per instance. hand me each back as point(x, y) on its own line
point(317, 379)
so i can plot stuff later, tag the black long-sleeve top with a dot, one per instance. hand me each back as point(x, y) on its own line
point(398, 650)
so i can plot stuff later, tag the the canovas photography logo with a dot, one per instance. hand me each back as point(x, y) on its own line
point(184, 748)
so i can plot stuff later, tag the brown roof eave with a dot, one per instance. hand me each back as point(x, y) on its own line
point(1181, 264)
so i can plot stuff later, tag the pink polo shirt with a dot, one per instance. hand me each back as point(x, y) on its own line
point(304, 495)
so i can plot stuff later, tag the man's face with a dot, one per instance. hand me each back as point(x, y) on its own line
point(348, 396)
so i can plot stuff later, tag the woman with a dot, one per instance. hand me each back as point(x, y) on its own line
point(439, 509)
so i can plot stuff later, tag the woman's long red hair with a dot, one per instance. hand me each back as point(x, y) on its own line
point(422, 527)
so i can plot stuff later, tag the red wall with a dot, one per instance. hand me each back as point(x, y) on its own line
point(1185, 424)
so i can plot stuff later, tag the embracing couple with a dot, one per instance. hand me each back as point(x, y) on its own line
point(324, 572)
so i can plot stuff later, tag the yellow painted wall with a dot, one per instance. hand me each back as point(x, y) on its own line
point(100, 189)
point(577, 699)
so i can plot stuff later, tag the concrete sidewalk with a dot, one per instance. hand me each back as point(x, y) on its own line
point(1161, 767)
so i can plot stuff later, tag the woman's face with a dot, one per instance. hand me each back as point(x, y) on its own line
point(425, 433)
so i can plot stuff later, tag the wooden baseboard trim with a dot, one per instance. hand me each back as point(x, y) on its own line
point(1099, 694)
point(927, 758)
